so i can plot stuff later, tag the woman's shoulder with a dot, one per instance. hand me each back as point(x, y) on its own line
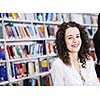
point(57, 61)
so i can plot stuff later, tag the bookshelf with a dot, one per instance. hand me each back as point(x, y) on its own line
point(27, 45)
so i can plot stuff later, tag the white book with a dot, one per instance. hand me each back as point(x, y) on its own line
point(21, 16)
point(29, 16)
point(77, 18)
point(31, 66)
point(87, 19)
point(65, 17)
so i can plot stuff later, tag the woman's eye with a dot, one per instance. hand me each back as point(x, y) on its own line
point(77, 36)
point(69, 37)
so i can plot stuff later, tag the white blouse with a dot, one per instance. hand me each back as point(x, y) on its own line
point(62, 75)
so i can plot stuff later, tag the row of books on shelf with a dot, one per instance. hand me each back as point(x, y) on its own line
point(27, 82)
point(44, 81)
point(56, 17)
point(26, 69)
point(31, 68)
point(26, 51)
point(82, 18)
point(14, 52)
point(37, 31)
point(20, 31)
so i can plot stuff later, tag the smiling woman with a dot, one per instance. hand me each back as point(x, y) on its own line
point(74, 65)
point(72, 39)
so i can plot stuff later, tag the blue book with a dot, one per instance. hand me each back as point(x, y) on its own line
point(2, 53)
point(14, 70)
point(3, 73)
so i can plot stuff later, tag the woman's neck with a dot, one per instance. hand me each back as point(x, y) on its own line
point(73, 57)
point(74, 60)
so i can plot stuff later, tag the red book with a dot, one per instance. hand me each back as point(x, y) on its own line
point(7, 31)
point(49, 47)
point(18, 70)
point(23, 69)
point(9, 53)
point(26, 32)
point(52, 31)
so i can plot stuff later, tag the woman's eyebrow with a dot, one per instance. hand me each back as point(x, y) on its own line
point(71, 35)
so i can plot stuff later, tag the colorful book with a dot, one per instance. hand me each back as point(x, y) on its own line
point(3, 73)
point(2, 53)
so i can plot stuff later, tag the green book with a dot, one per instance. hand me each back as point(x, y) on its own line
point(1, 33)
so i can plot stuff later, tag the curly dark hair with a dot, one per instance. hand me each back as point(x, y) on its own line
point(61, 47)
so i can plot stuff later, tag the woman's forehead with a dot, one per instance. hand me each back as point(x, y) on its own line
point(72, 30)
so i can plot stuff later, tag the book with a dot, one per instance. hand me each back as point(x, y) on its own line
point(14, 32)
point(48, 16)
point(27, 33)
point(29, 16)
point(65, 17)
point(31, 68)
point(39, 17)
point(23, 69)
point(87, 19)
point(33, 49)
point(2, 53)
point(18, 65)
point(1, 33)
point(14, 15)
point(18, 32)
point(9, 52)
point(43, 65)
point(3, 73)
point(94, 20)
point(44, 80)
point(21, 16)
point(31, 31)
point(30, 82)
point(14, 71)
point(7, 31)
point(77, 18)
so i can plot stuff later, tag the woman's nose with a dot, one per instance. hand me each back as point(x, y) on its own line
point(74, 39)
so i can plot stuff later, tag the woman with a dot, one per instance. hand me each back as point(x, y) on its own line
point(73, 66)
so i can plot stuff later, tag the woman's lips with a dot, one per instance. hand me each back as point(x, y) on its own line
point(75, 45)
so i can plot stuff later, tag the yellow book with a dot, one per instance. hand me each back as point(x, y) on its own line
point(94, 20)
point(23, 32)
point(44, 63)
point(14, 16)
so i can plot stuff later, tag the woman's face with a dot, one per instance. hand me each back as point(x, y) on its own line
point(73, 39)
